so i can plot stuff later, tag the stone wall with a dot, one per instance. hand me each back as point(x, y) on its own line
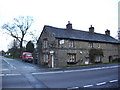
point(80, 48)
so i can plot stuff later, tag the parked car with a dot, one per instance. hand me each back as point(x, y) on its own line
point(27, 56)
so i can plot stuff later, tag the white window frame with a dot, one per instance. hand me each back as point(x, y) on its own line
point(61, 41)
point(98, 58)
point(45, 58)
point(71, 43)
point(98, 45)
point(90, 44)
point(71, 57)
point(45, 44)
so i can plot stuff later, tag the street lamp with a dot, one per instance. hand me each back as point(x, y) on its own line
point(51, 53)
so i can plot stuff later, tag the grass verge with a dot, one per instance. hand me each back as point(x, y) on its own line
point(88, 64)
point(11, 57)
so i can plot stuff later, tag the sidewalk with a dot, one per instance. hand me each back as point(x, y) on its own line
point(80, 67)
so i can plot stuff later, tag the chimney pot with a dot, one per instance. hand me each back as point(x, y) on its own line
point(107, 32)
point(91, 29)
point(69, 26)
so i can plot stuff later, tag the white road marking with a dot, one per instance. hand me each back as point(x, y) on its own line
point(113, 81)
point(88, 85)
point(48, 72)
point(90, 69)
point(12, 74)
point(72, 88)
point(4, 69)
point(109, 67)
point(1, 75)
point(9, 74)
point(10, 64)
point(101, 83)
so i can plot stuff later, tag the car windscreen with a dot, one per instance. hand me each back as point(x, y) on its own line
point(28, 55)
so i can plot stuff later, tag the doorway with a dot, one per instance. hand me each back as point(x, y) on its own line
point(110, 58)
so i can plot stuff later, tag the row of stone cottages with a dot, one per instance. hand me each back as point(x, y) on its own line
point(58, 47)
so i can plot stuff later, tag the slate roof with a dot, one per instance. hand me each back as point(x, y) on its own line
point(80, 35)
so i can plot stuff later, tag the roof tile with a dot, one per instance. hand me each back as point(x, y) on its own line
point(80, 35)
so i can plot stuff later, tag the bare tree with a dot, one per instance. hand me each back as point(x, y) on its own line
point(18, 28)
point(13, 44)
point(14, 49)
point(35, 35)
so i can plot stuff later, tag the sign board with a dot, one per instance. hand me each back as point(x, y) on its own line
point(86, 62)
point(51, 52)
point(61, 41)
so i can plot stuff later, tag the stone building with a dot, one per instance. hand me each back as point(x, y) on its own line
point(59, 47)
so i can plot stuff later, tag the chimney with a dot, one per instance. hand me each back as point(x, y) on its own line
point(107, 32)
point(119, 35)
point(91, 29)
point(69, 26)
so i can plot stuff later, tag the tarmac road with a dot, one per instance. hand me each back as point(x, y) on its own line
point(18, 74)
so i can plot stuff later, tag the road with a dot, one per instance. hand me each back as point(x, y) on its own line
point(18, 74)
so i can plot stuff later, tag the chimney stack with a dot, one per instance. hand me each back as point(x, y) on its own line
point(91, 29)
point(69, 26)
point(107, 32)
point(119, 35)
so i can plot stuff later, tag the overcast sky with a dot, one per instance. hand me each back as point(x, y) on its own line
point(102, 14)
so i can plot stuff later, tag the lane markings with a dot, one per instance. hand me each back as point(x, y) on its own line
point(12, 74)
point(9, 74)
point(101, 83)
point(73, 88)
point(113, 81)
point(1, 75)
point(90, 69)
point(88, 85)
point(10, 64)
point(48, 72)
point(4, 69)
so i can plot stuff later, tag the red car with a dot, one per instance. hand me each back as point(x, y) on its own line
point(27, 56)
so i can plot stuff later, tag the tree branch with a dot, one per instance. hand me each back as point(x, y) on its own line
point(19, 27)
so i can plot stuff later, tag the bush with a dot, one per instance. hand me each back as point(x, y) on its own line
point(116, 60)
point(10, 57)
